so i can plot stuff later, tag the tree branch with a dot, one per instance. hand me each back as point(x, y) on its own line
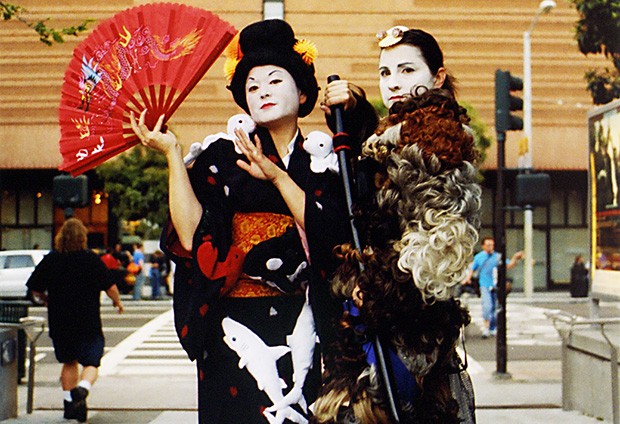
point(47, 35)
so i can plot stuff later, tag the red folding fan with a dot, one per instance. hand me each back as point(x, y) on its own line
point(147, 57)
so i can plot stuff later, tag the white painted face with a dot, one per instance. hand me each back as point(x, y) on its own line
point(401, 69)
point(272, 95)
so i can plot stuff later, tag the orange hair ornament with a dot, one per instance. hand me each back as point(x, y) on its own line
point(307, 50)
point(233, 57)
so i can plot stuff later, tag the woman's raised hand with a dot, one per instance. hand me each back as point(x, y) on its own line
point(260, 166)
point(155, 139)
point(338, 92)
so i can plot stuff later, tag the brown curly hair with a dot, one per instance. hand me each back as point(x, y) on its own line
point(434, 121)
point(423, 335)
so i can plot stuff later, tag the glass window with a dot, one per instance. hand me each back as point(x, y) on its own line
point(45, 208)
point(557, 207)
point(486, 208)
point(8, 207)
point(19, 261)
point(576, 205)
point(26, 207)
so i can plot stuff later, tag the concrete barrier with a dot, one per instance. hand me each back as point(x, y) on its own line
point(590, 369)
point(8, 373)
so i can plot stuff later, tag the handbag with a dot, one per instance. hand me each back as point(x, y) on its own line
point(134, 268)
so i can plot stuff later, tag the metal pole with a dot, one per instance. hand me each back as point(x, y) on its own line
point(500, 243)
point(31, 358)
point(384, 363)
point(526, 163)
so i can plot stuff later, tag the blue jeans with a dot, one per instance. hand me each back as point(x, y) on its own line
point(488, 299)
point(156, 281)
point(137, 287)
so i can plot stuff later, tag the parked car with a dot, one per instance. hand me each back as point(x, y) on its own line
point(15, 269)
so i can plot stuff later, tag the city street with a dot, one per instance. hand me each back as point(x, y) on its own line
point(146, 377)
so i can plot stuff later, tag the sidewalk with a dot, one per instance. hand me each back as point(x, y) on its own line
point(532, 395)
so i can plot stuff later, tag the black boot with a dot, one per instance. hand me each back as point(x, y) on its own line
point(79, 394)
point(69, 410)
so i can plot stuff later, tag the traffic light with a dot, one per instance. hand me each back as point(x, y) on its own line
point(505, 102)
point(533, 189)
point(69, 192)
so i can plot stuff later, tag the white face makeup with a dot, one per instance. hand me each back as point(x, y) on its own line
point(272, 95)
point(401, 69)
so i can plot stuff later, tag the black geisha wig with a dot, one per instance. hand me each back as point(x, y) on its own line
point(271, 42)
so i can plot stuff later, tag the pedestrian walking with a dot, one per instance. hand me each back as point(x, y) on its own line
point(69, 280)
point(158, 264)
point(138, 270)
point(485, 265)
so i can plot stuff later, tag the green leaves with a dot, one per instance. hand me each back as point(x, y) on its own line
point(47, 35)
point(598, 32)
point(137, 183)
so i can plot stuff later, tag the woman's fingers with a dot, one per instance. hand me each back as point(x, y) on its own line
point(134, 124)
point(159, 124)
point(246, 146)
point(142, 118)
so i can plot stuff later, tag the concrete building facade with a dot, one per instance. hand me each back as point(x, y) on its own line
point(477, 37)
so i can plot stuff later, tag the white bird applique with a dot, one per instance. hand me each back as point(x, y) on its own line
point(302, 342)
point(240, 120)
point(322, 156)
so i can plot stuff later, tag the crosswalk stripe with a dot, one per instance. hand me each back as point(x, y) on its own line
point(154, 349)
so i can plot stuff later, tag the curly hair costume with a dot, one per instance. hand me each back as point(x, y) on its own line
point(420, 229)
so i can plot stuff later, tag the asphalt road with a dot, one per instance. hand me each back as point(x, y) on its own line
point(116, 328)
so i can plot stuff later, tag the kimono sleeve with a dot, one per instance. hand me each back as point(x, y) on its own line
point(326, 227)
point(194, 293)
point(216, 215)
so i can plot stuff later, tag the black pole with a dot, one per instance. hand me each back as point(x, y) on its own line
point(341, 147)
point(500, 247)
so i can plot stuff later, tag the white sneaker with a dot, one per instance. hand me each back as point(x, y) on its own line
point(486, 333)
point(493, 333)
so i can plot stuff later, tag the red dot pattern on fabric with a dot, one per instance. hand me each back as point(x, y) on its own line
point(233, 391)
point(211, 180)
point(201, 375)
point(273, 158)
point(318, 193)
point(184, 331)
point(203, 310)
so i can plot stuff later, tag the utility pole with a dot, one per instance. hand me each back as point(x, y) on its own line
point(525, 162)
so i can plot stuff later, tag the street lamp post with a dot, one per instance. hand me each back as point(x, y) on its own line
point(525, 161)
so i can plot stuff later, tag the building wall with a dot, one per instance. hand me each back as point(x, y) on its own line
point(478, 37)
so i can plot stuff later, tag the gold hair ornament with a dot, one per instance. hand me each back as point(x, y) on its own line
point(391, 36)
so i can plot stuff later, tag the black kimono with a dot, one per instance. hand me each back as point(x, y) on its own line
point(244, 282)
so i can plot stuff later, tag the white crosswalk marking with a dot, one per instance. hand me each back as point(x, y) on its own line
point(152, 350)
point(525, 325)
